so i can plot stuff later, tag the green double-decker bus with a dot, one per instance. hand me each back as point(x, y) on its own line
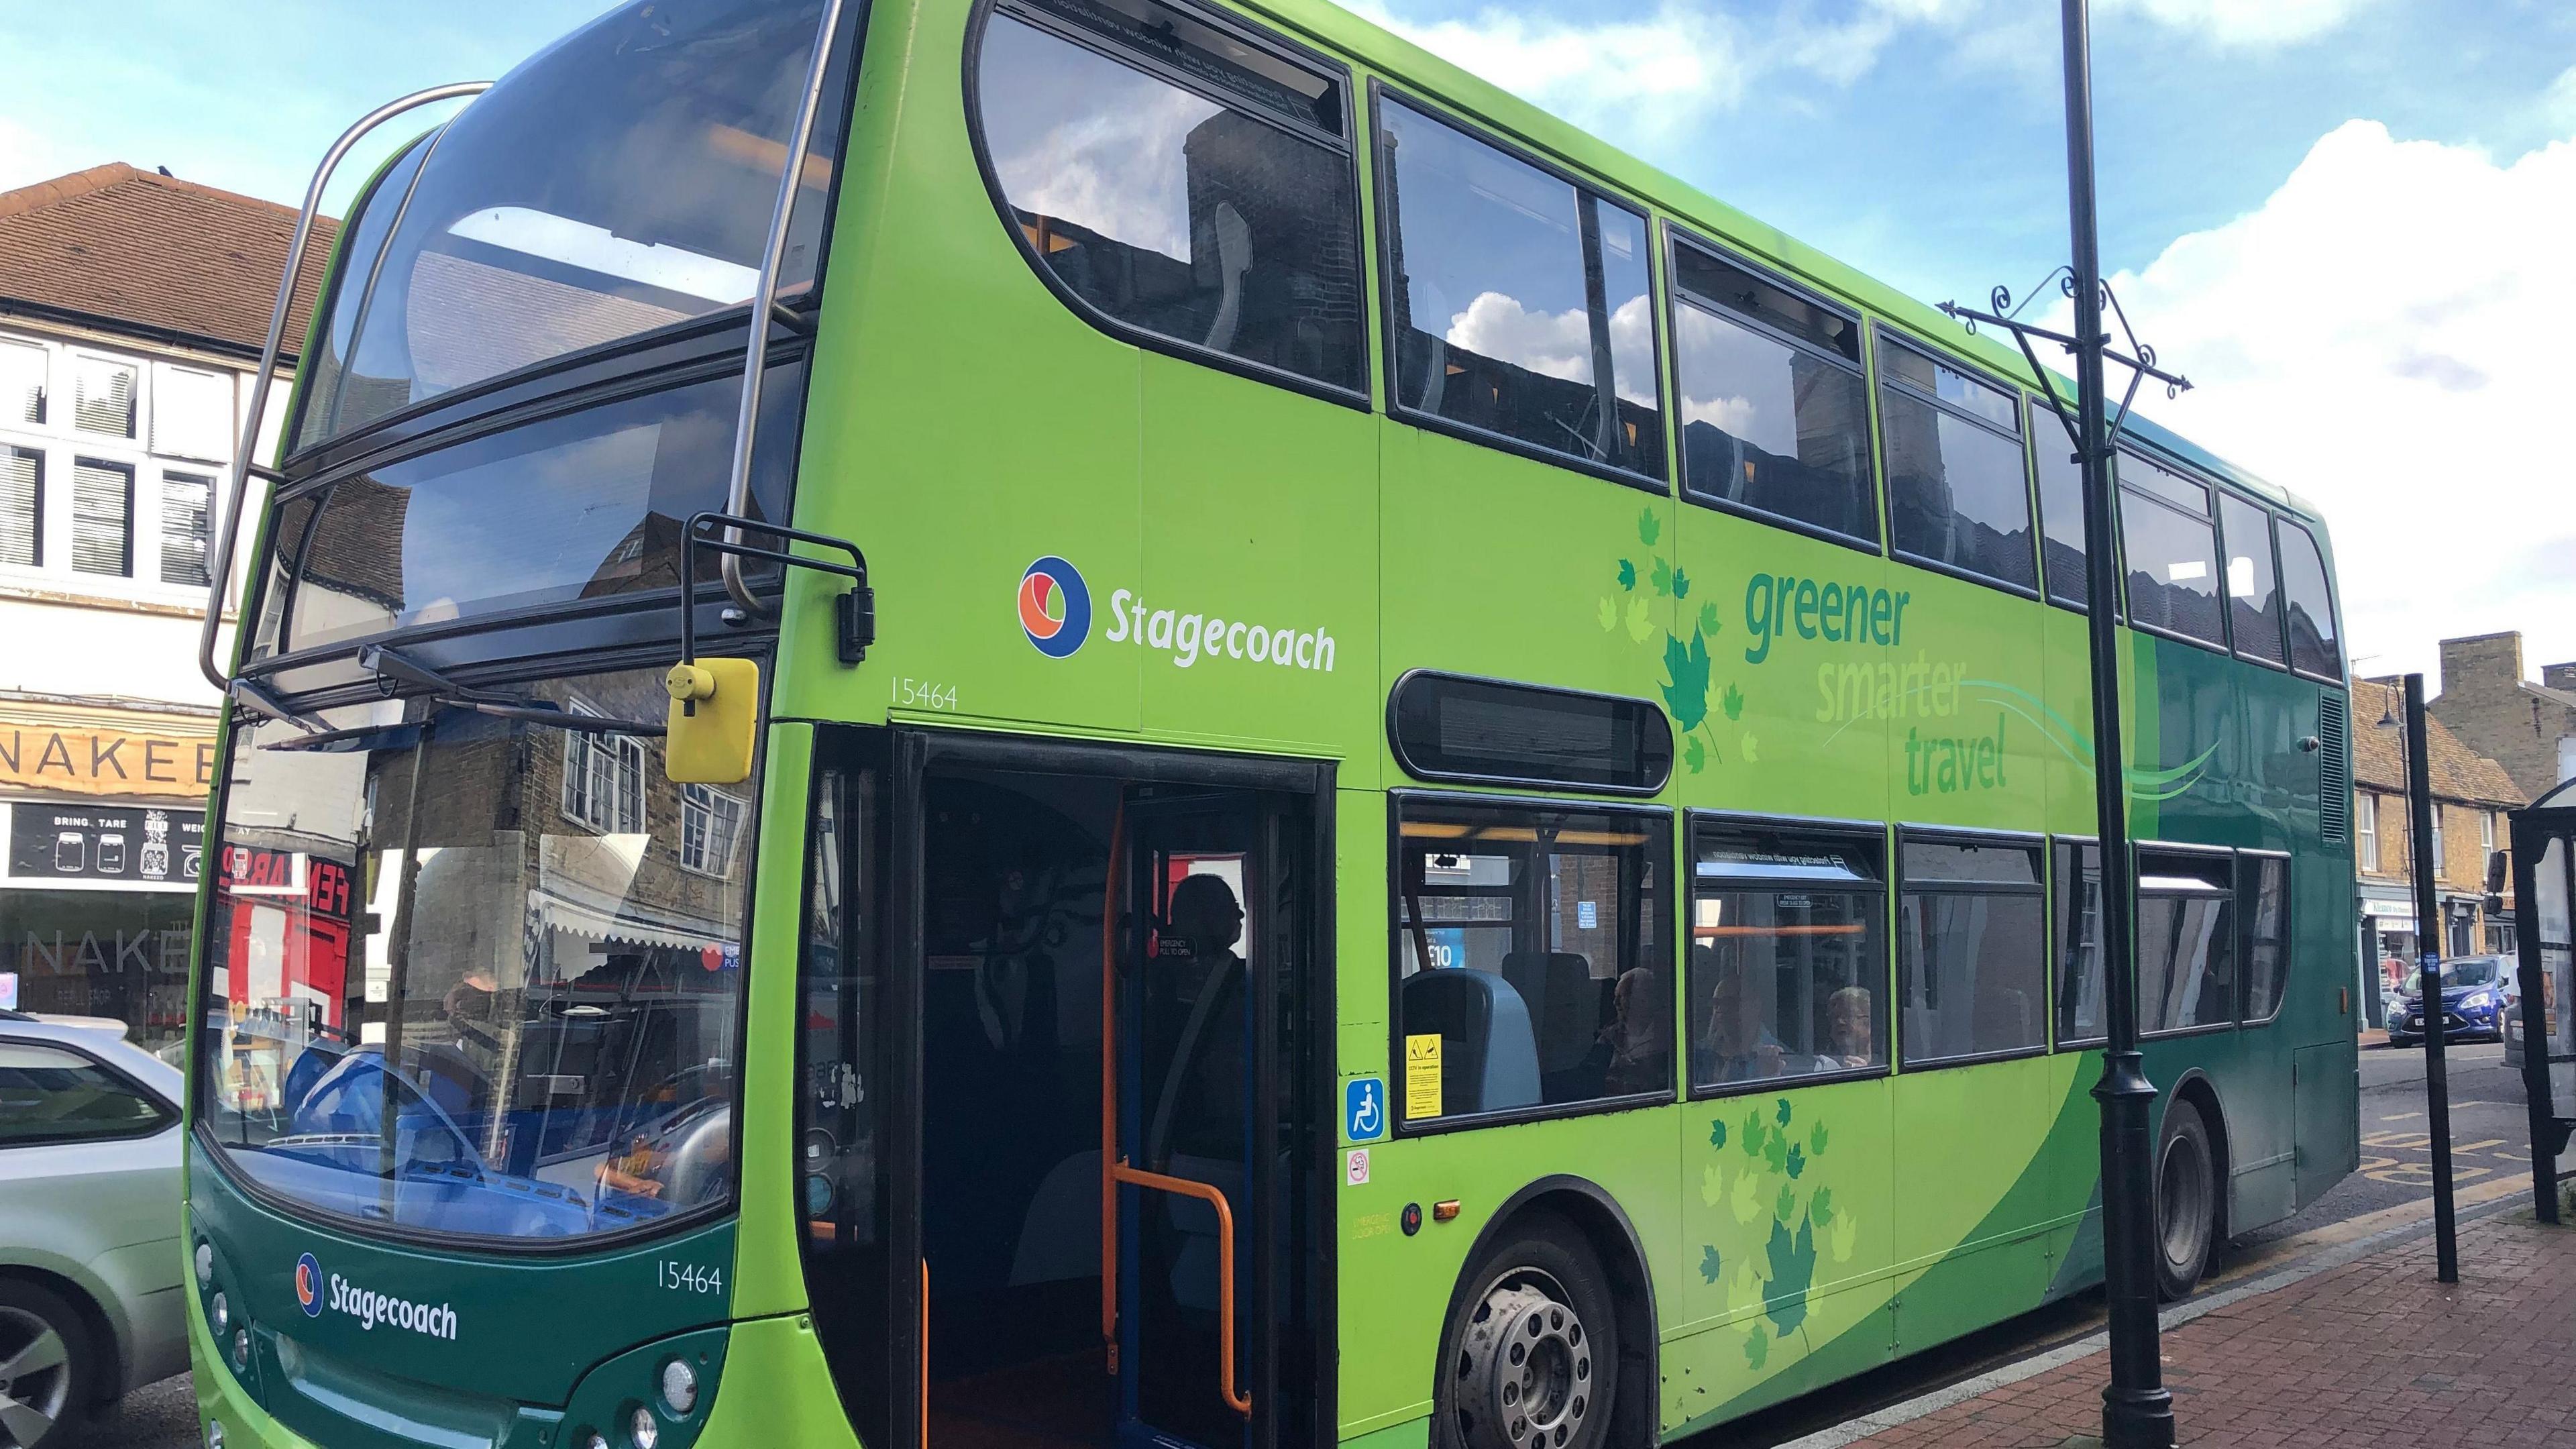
point(1331, 767)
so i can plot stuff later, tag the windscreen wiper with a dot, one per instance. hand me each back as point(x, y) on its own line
point(264, 703)
point(395, 670)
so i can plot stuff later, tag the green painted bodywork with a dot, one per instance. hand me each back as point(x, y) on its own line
point(962, 422)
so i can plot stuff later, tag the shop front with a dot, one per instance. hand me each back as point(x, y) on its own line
point(102, 815)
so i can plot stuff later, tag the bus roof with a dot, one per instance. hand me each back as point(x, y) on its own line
point(1333, 26)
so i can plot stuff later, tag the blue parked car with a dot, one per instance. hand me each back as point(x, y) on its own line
point(2478, 997)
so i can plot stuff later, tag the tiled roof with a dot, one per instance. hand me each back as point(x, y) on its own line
point(133, 246)
point(2458, 772)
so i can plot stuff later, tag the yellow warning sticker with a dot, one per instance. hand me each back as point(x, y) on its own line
point(1422, 1077)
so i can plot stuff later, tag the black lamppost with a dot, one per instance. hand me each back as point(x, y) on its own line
point(2428, 954)
point(2137, 1409)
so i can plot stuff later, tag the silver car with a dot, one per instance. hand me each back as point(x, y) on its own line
point(90, 1270)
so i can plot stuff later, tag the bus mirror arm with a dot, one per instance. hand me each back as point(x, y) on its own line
point(854, 610)
point(224, 512)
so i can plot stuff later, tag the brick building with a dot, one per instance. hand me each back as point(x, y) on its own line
point(2529, 729)
point(132, 310)
point(2471, 794)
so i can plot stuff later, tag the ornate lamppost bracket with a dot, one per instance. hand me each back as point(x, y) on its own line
point(2140, 359)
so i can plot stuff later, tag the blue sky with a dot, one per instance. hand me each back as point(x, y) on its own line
point(2344, 217)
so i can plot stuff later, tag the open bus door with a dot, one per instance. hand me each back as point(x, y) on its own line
point(1101, 1041)
point(2542, 1044)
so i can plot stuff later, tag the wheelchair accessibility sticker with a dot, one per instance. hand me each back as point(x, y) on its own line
point(1364, 1109)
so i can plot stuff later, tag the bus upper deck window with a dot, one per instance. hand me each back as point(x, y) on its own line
point(1220, 213)
point(619, 181)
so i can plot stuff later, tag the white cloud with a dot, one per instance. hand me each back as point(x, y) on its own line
point(1653, 73)
point(2387, 334)
point(2247, 24)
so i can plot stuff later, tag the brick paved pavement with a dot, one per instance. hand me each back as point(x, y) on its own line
point(2373, 1353)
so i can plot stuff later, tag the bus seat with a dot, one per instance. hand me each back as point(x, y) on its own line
point(1564, 1004)
point(1488, 1054)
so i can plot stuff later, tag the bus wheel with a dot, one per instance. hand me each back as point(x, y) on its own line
point(44, 1365)
point(1532, 1354)
point(2186, 1202)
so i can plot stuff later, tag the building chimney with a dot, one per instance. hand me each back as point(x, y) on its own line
point(2482, 664)
point(2558, 676)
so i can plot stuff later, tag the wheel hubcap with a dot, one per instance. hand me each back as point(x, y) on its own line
point(2182, 1199)
point(1525, 1371)
point(35, 1378)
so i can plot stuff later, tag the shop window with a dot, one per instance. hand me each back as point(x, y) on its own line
point(1775, 414)
point(710, 822)
point(1521, 303)
point(22, 506)
point(1219, 212)
point(1958, 485)
point(2186, 940)
point(603, 784)
point(118, 953)
point(22, 383)
point(102, 517)
point(187, 506)
point(1972, 947)
point(1788, 955)
point(105, 396)
point(1531, 961)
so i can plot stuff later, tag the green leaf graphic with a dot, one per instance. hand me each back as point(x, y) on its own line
point(1609, 615)
point(1787, 1206)
point(1782, 1111)
point(1775, 1150)
point(1709, 623)
point(1628, 574)
point(1662, 578)
point(1686, 691)
point(1820, 1209)
point(1753, 1133)
point(1747, 745)
point(1846, 1234)
point(1816, 1141)
point(1712, 1186)
point(1708, 1262)
point(1641, 618)
point(1797, 1162)
point(1793, 1272)
point(1734, 702)
point(1717, 1132)
point(1757, 1347)
point(1649, 527)
point(1694, 754)
point(1681, 584)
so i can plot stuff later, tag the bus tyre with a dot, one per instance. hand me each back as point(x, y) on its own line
point(2186, 1202)
point(45, 1366)
point(1531, 1355)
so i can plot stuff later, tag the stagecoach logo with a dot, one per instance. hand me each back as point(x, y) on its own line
point(1055, 607)
point(435, 1320)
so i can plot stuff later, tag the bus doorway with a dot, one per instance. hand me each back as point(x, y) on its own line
point(1120, 1168)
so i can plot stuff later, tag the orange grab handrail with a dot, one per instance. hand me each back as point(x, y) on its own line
point(1235, 1399)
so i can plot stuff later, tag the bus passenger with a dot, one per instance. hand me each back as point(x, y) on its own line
point(1850, 1031)
point(1639, 1060)
point(1735, 1046)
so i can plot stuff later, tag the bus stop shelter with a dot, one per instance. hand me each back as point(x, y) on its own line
point(2544, 1046)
